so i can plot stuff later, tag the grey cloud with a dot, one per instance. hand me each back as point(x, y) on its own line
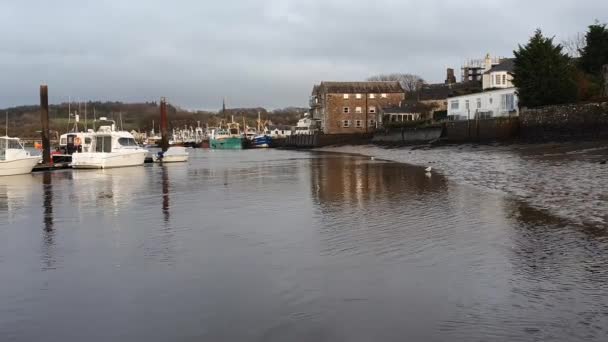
point(266, 53)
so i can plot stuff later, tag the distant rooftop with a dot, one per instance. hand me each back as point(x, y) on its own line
point(505, 65)
point(442, 91)
point(358, 87)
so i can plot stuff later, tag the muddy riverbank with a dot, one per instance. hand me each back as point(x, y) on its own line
point(568, 180)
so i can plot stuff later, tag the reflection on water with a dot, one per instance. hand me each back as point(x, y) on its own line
point(165, 181)
point(288, 246)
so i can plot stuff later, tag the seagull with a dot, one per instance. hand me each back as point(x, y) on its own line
point(428, 169)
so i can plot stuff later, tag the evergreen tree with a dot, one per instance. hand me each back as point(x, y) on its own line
point(543, 73)
point(595, 53)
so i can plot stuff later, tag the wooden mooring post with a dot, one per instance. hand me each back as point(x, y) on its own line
point(44, 119)
point(164, 133)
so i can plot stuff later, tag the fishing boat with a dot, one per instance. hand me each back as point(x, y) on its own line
point(14, 159)
point(110, 149)
point(229, 138)
point(261, 141)
point(175, 154)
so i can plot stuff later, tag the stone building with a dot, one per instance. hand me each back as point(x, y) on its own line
point(353, 107)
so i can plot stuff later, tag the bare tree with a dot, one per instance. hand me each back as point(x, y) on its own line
point(410, 83)
point(574, 45)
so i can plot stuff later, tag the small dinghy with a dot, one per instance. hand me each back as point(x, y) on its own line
point(175, 154)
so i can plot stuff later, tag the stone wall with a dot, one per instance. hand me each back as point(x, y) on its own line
point(403, 136)
point(565, 122)
point(495, 129)
point(320, 140)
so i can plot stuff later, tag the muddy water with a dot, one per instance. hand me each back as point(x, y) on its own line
point(567, 179)
point(288, 246)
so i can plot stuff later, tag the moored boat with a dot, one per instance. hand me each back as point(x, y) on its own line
point(175, 154)
point(227, 138)
point(261, 141)
point(110, 149)
point(14, 159)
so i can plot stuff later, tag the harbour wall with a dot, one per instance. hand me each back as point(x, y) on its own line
point(321, 140)
point(572, 121)
point(494, 129)
point(404, 136)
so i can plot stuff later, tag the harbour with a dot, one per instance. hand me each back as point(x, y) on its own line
point(288, 245)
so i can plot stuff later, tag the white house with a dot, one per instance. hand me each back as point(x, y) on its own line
point(498, 76)
point(487, 104)
point(279, 131)
point(498, 98)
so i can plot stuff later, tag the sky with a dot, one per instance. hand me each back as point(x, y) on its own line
point(254, 52)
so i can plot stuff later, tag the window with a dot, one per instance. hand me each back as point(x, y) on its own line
point(358, 123)
point(504, 79)
point(507, 102)
point(466, 105)
point(372, 123)
point(372, 109)
point(346, 96)
point(478, 103)
point(103, 144)
point(358, 96)
point(454, 105)
point(87, 141)
point(127, 142)
point(358, 110)
point(372, 96)
point(491, 100)
point(346, 110)
point(346, 123)
point(497, 81)
point(383, 96)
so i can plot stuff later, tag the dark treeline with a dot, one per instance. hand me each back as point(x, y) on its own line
point(24, 121)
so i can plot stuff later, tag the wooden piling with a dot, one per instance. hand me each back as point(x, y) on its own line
point(44, 119)
point(164, 133)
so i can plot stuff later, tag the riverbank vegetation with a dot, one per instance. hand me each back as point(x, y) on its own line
point(24, 121)
point(547, 73)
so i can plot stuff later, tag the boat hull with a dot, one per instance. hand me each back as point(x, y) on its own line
point(173, 155)
point(232, 143)
point(101, 160)
point(262, 141)
point(18, 166)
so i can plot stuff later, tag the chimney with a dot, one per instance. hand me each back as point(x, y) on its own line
point(450, 77)
point(488, 63)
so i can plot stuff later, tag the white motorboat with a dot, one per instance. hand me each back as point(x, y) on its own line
point(14, 159)
point(109, 149)
point(175, 154)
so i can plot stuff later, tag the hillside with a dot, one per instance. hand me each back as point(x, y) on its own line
point(24, 121)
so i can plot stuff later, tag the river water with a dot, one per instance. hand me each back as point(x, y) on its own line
point(290, 246)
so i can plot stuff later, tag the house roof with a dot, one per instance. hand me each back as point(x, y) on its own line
point(442, 91)
point(506, 64)
point(358, 87)
point(401, 110)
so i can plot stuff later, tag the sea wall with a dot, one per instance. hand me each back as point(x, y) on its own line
point(321, 140)
point(495, 129)
point(565, 122)
point(407, 135)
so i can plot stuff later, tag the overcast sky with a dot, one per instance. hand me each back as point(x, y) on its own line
point(254, 52)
